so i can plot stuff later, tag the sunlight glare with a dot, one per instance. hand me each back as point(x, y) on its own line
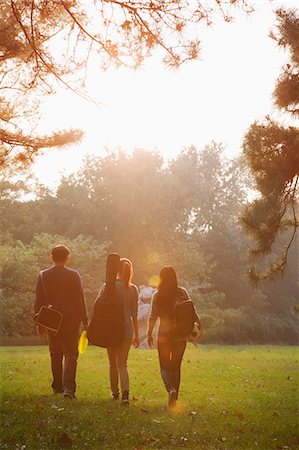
point(215, 98)
point(154, 281)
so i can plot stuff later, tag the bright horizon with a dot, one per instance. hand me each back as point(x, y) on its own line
point(214, 98)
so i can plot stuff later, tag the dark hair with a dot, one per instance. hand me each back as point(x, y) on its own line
point(60, 253)
point(125, 271)
point(168, 288)
point(168, 280)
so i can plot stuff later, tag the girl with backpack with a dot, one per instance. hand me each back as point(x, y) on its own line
point(128, 294)
point(171, 348)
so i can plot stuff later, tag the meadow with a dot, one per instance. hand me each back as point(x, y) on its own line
point(232, 397)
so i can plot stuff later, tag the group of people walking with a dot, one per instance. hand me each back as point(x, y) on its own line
point(61, 288)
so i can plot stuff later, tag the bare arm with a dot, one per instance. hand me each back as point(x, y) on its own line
point(152, 321)
point(134, 314)
point(151, 326)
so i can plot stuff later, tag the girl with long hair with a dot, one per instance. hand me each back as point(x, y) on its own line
point(128, 294)
point(170, 349)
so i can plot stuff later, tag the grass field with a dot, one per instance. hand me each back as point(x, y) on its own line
point(231, 398)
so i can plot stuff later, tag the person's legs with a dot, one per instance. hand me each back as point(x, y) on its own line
point(178, 350)
point(113, 372)
point(164, 352)
point(121, 357)
point(56, 352)
point(70, 350)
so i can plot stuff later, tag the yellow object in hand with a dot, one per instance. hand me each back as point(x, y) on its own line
point(83, 342)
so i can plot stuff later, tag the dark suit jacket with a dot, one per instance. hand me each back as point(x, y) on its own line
point(62, 288)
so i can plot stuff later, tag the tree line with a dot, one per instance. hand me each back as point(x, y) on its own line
point(48, 44)
point(184, 212)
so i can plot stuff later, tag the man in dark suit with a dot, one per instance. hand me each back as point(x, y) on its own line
point(61, 287)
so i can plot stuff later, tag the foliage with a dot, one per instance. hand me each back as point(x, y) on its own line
point(26, 66)
point(287, 87)
point(252, 322)
point(271, 152)
point(182, 213)
point(48, 44)
point(231, 397)
point(20, 265)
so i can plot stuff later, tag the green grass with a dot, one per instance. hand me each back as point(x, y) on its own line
point(231, 398)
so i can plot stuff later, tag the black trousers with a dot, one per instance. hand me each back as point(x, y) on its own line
point(170, 358)
point(64, 355)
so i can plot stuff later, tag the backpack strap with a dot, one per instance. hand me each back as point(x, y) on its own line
point(182, 295)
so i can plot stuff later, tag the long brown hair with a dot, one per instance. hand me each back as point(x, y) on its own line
point(125, 271)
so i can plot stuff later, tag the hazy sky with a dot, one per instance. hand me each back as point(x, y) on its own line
point(214, 98)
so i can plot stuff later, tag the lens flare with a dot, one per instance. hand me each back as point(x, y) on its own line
point(179, 409)
point(154, 280)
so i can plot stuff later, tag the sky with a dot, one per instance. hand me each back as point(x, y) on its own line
point(215, 98)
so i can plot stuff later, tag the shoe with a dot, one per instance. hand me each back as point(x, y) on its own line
point(70, 395)
point(172, 398)
point(125, 398)
point(115, 396)
point(57, 391)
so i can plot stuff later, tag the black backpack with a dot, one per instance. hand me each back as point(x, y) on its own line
point(184, 318)
point(106, 328)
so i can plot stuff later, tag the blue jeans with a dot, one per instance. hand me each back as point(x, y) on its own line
point(170, 358)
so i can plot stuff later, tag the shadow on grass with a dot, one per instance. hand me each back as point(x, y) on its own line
point(53, 422)
point(48, 422)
